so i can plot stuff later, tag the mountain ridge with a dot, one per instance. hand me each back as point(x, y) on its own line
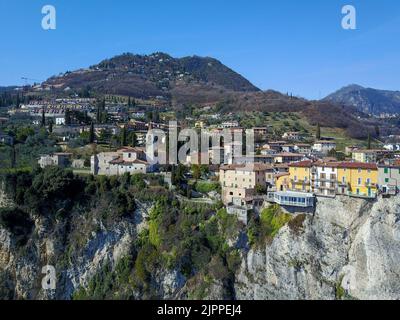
point(367, 100)
point(155, 75)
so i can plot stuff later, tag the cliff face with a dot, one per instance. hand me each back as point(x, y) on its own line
point(348, 249)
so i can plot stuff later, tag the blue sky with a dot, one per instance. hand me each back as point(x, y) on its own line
point(286, 45)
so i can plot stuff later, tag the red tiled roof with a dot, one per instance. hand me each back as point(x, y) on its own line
point(246, 167)
point(302, 164)
point(358, 165)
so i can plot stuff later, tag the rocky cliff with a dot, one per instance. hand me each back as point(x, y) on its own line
point(349, 249)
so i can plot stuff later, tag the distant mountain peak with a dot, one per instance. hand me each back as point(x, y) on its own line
point(353, 87)
point(367, 100)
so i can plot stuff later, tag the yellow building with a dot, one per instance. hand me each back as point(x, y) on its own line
point(282, 181)
point(300, 176)
point(343, 178)
point(358, 179)
point(365, 156)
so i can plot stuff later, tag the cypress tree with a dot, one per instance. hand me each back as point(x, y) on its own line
point(43, 118)
point(123, 137)
point(67, 117)
point(91, 134)
point(13, 156)
point(318, 134)
point(369, 142)
point(134, 140)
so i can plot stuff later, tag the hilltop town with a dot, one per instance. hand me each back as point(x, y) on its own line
point(292, 165)
point(149, 177)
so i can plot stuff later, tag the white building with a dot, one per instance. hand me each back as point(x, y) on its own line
point(229, 124)
point(61, 160)
point(324, 146)
point(126, 160)
point(324, 178)
point(60, 121)
point(392, 147)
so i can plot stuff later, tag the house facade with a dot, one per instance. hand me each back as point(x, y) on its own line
point(358, 179)
point(62, 160)
point(389, 179)
point(300, 174)
point(127, 160)
point(332, 178)
point(324, 146)
point(241, 181)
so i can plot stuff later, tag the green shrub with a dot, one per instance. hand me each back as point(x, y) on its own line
point(272, 220)
point(206, 187)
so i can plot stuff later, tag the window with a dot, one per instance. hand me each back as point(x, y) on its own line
point(368, 181)
point(359, 181)
point(387, 170)
point(387, 180)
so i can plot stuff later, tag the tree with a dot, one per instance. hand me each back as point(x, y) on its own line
point(68, 117)
point(318, 134)
point(156, 117)
point(369, 142)
point(43, 124)
point(123, 136)
point(13, 156)
point(91, 133)
point(377, 131)
point(18, 102)
point(98, 113)
point(103, 117)
point(149, 116)
point(134, 140)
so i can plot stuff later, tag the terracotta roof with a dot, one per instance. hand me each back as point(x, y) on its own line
point(358, 165)
point(328, 164)
point(246, 167)
point(281, 165)
point(117, 161)
point(302, 164)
